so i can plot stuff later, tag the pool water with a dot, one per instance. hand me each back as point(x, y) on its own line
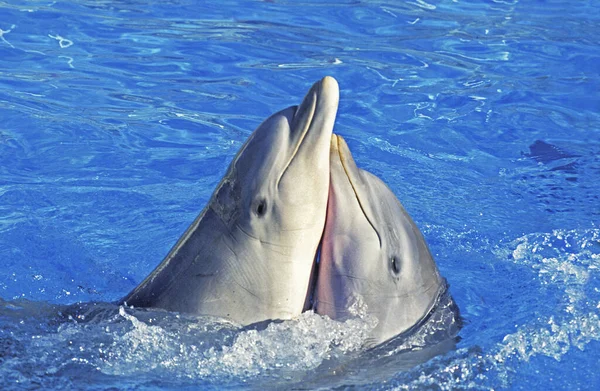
point(118, 119)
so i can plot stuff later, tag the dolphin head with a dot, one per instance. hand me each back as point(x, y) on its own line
point(278, 182)
point(372, 252)
point(273, 203)
point(249, 255)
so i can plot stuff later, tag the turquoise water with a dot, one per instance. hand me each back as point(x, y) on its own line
point(117, 120)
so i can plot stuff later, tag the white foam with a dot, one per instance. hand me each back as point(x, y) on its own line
point(567, 260)
point(295, 345)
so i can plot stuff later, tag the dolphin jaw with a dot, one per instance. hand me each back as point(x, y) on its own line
point(353, 173)
point(313, 120)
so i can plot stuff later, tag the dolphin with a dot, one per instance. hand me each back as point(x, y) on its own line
point(372, 254)
point(249, 255)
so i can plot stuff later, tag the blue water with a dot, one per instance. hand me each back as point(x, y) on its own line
point(117, 120)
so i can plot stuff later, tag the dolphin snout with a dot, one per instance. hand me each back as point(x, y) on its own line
point(329, 90)
point(322, 98)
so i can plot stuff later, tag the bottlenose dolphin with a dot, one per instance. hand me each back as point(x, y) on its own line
point(249, 255)
point(372, 253)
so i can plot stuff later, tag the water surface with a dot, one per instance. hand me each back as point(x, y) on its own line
point(118, 119)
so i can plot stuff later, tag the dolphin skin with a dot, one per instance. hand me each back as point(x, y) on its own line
point(249, 255)
point(373, 254)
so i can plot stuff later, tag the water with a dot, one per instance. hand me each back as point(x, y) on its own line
point(119, 118)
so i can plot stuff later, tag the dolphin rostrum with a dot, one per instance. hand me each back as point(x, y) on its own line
point(249, 255)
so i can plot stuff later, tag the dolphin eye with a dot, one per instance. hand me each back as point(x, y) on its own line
point(395, 263)
point(261, 208)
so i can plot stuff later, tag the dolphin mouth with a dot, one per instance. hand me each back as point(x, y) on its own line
point(340, 149)
point(313, 119)
point(322, 96)
point(352, 172)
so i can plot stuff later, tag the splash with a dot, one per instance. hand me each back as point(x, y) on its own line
point(565, 260)
point(568, 260)
point(190, 352)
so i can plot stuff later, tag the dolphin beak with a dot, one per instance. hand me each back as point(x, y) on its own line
point(319, 106)
point(311, 128)
point(339, 151)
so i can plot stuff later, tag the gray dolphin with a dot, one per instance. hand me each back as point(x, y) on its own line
point(372, 252)
point(249, 255)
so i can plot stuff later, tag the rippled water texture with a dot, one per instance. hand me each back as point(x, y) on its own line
point(117, 120)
